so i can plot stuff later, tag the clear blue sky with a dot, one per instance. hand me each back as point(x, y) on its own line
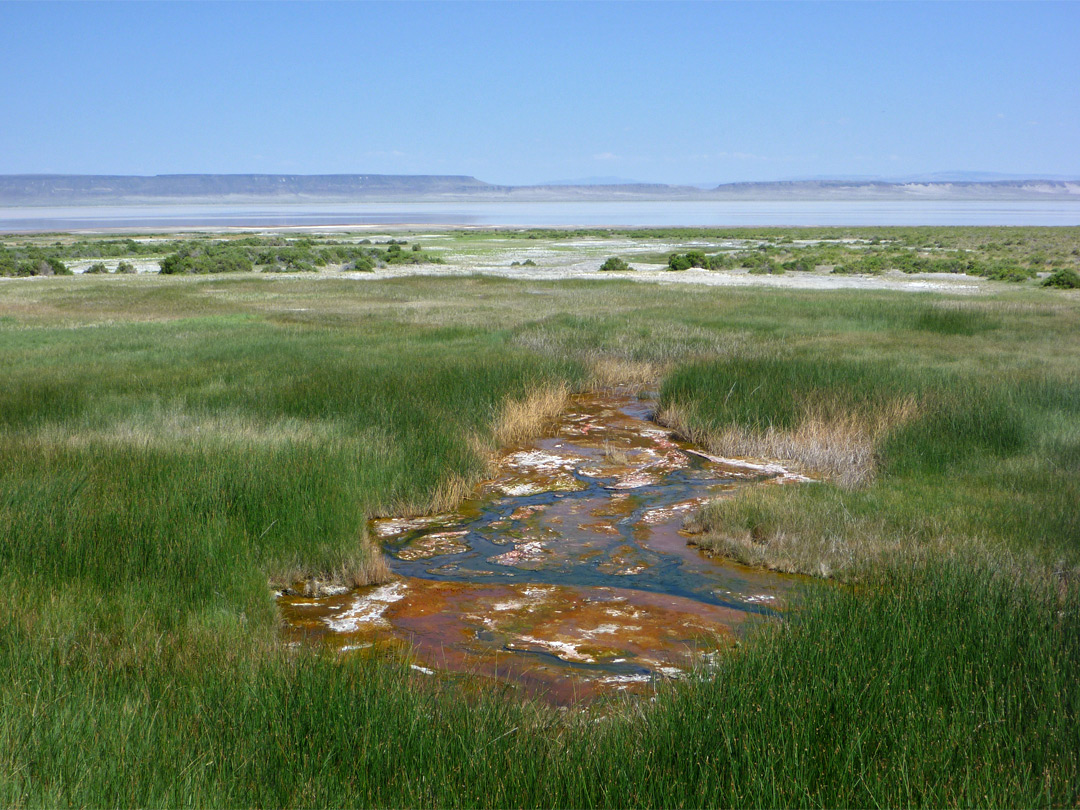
point(532, 92)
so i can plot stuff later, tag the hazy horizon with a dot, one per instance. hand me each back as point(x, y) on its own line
point(924, 177)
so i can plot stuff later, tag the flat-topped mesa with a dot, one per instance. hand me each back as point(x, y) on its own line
point(44, 189)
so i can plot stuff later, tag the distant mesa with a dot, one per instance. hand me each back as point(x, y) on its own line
point(75, 190)
point(907, 190)
point(80, 189)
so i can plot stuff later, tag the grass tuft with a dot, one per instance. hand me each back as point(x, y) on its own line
point(522, 419)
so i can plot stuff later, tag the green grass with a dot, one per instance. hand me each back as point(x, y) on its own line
point(933, 686)
point(222, 447)
point(168, 445)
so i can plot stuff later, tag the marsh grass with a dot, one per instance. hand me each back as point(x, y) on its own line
point(906, 455)
point(943, 685)
point(222, 448)
point(168, 445)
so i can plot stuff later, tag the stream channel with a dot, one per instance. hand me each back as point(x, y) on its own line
point(569, 573)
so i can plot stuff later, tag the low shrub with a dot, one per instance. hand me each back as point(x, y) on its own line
point(1063, 278)
point(615, 265)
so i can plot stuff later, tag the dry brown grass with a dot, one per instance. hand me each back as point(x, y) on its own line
point(611, 372)
point(452, 491)
point(524, 419)
point(371, 569)
point(841, 447)
point(616, 455)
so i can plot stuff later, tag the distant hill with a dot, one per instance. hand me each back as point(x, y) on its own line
point(882, 190)
point(67, 190)
point(78, 189)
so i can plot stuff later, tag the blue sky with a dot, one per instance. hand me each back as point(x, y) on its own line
point(532, 92)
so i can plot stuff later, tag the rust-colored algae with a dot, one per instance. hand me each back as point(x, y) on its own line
point(631, 635)
point(434, 545)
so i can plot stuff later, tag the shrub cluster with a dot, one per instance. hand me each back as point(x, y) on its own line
point(275, 254)
point(11, 264)
point(615, 265)
point(1063, 278)
point(99, 267)
point(207, 257)
point(395, 255)
point(692, 258)
point(757, 261)
point(907, 261)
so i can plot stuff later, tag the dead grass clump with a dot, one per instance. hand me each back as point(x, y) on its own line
point(842, 446)
point(611, 372)
point(521, 420)
point(616, 455)
point(371, 569)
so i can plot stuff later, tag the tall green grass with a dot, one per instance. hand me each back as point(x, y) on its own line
point(937, 685)
point(208, 454)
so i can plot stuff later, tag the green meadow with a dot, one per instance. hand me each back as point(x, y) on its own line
point(174, 447)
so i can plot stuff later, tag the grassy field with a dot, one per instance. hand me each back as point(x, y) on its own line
point(170, 446)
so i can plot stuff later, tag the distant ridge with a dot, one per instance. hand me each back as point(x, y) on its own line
point(884, 190)
point(77, 190)
point(60, 189)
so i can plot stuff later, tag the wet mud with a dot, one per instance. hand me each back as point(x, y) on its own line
point(569, 573)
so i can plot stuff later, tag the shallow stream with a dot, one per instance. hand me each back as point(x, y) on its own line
point(569, 572)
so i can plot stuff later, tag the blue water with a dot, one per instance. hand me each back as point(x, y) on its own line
point(666, 573)
point(584, 554)
point(542, 215)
